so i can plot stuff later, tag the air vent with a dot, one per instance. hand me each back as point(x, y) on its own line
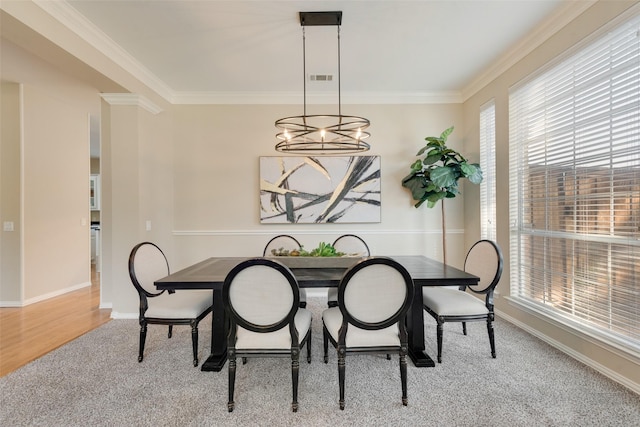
point(321, 77)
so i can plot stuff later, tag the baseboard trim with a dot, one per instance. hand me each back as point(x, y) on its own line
point(49, 295)
point(7, 304)
point(612, 375)
point(126, 316)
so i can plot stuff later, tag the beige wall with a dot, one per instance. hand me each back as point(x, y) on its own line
point(193, 173)
point(192, 170)
point(621, 365)
point(52, 233)
point(137, 176)
point(10, 170)
point(216, 181)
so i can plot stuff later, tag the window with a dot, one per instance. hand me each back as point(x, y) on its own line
point(488, 165)
point(575, 187)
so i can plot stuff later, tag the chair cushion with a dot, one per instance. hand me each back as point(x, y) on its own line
point(280, 339)
point(356, 337)
point(179, 305)
point(452, 302)
point(375, 293)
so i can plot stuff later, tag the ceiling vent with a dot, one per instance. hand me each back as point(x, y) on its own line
point(321, 77)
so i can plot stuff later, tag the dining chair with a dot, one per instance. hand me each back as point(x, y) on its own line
point(148, 263)
point(484, 260)
point(262, 300)
point(279, 245)
point(351, 245)
point(374, 296)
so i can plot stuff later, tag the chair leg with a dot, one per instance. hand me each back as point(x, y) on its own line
point(309, 347)
point(439, 332)
point(492, 341)
point(295, 369)
point(403, 377)
point(194, 341)
point(341, 368)
point(325, 342)
point(244, 360)
point(143, 338)
point(464, 328)
point(170, 331)
point(232, 378)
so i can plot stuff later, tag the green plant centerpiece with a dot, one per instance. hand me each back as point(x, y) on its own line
point(323, 250)
point(435, 174)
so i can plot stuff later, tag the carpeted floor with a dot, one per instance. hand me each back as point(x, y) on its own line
point(96, 380)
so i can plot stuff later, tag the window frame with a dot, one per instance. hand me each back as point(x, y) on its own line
point(521, 232)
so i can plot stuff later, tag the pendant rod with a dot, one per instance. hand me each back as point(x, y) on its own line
point(304, 68)
point(339, 85)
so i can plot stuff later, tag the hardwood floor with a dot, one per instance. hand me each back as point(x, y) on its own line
point(29, 332)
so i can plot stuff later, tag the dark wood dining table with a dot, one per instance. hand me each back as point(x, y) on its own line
point(210, 274)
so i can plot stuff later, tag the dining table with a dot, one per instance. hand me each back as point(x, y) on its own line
point(211, 273)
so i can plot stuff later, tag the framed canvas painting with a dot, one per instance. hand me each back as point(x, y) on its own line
point(308, 190)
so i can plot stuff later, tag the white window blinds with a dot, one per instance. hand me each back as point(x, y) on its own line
point(488, 165)
point(575, 186)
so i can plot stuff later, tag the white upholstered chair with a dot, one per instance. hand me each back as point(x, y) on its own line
point(374, 296)
point(351, 245)
point(147, 263)
point(284, 243)
point(484, 260)
point(262, 299)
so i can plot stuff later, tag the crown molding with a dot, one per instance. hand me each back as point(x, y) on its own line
point(131, 99)
point(373, 98)
point(85, 29)
point(541, 34)
point(76, 22)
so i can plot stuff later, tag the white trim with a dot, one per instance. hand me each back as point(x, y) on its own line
point(22, 202)
point(591, 335)
point(609, 346)
point(118, 315)
point(68, 16)
point(536, 38)
point(55, 293)
point(80, 25)
point(296, 98)
point(131, 99)
point(5, 304)
point(272, 232)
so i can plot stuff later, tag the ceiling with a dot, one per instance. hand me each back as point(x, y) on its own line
point(251, 51)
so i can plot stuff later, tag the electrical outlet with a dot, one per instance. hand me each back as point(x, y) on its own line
point(7, 226)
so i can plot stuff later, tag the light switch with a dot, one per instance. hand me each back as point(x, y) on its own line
point(148, 225)
point(7, 226)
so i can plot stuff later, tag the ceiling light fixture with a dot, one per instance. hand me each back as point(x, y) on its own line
point(321, 133)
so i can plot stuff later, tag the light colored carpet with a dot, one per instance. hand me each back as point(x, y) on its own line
point(96, 380)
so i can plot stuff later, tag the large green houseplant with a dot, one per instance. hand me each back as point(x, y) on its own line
point(435, 174)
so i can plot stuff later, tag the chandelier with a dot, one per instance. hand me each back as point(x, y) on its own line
point(321, 133)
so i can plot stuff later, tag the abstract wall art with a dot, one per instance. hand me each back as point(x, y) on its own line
point(309, 190)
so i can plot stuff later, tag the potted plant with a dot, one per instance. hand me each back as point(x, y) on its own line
point(434, 175)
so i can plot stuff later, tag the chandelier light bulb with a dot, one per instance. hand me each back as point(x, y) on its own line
point(321, 134)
